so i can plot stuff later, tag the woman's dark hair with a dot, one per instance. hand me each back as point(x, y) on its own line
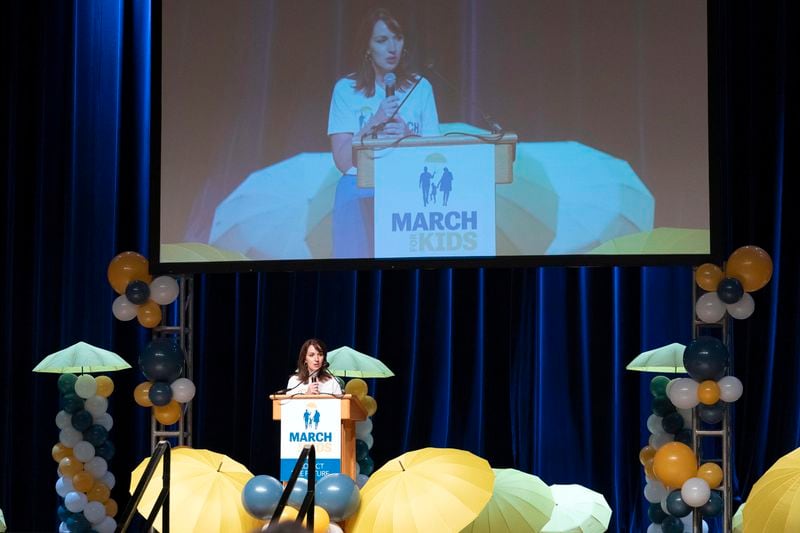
point(302, 369)
point(364, 75)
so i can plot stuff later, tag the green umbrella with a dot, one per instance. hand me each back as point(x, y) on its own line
point(737, 523)
point(349, 363)
point(83, 358)
point(578, 510)
point(520, 502)
point(667, 358)
point(659, 241)
point(2, 521)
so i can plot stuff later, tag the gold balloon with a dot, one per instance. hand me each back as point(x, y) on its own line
point(105, 386)
point(167, 414)
point(708, 276)
point(711, 473)
point(708, 392)
point(321, 520)
point(127, 267)
point(751, 265)
point(83, 481)
point(69, 466)
point(674, 463)
point(357, 387)
point(60, 451)
point(141, 394)
point(369, 404)
point(99, 492)
point(646, 453)
point(111, 507)
point(149, 314)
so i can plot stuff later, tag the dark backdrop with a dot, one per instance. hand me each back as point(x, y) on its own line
point(522, 366)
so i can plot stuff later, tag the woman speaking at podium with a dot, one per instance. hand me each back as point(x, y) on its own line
point(312, 376)
point(367, 103)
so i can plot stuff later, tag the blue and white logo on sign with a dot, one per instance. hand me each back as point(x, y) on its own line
point(311, 422)
point(435, 203)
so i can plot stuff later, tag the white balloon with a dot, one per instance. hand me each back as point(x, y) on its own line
point(109, 480)
point(104, 420)
point(83, 451)
point(183, 390)
point(669, 385)
point(333, 527)
point(85, 386)
point(743, 308)
point(710, 308)
point(688, 524)
point(657, 440)
point(62, 528)
point(363, 428)
point(358, 469)
point(687, 415)
point(654, 424)
point(730, 389)
point(94, 512)
point(108, 525)
point(63, 420)
point(683, 393)
point(164, 290)
point(75, 501)
point(655, 491)
point(123, 309)
point(654, 528)
point(370, 440)
point(361, 480)
point(64, 486)
point(97, 405)
point(70, 436)
point(96, 466)
point(695, 491)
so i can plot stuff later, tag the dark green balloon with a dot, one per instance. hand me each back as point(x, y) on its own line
point(662, 406)
point(672, 423)
point(706, 358)
point(96, 435)
point(82, 420)
point(106, 450)
point(672, 524)
point(676, 506)
point(655, 513)
point(711, 414)
point(684, 436)
point(71, 403)
point(713, 507)
point(362, 450)
point(658, 386)
point(66, 383)
point(366, 465)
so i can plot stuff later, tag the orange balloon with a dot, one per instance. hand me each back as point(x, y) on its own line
point(83, 481)
point(674, 463)
point(149, 314)
point(105, 386)
point(648, 469)
point(99, 492)
point(708, 392)
point(711, 473)
point(648, 452)
point(127, 267)
point(167, 414)
point(111, 507)
point(60, 451)
point(141, 394)
point(369, 404)
point(751, 265)
point(70, 466)
point(708, 276)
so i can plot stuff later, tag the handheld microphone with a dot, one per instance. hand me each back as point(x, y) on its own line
point(389, 82)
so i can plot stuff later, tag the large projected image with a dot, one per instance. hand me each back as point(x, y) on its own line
point(306, 131)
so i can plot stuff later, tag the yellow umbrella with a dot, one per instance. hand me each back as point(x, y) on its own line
point(774, 501)
point(520, 502)
point(659, 241)
point(432, 489)
point(667, 358)
point(205, 492)
point(82, 358)
point(578, 510)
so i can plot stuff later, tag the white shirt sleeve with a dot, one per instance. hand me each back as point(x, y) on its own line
point(341, 117)
point(295, 386)
point(330, 386)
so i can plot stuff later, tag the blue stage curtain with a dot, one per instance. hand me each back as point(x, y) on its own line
point(522, 366)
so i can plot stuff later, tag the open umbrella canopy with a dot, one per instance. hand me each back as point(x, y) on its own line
point(578, 510)
point(205, 492)
point(520, 502)
point(349, 363)
point(774, 501)
point(737, 524)
point(432, 489)
point(667, 358)
point(659, 241)
point(82, 358)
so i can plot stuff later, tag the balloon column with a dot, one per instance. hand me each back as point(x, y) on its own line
point(82, 452)
point(364, 441)
point(336, 498)
point(140, 296)
point(162, 363)
point(748, 269)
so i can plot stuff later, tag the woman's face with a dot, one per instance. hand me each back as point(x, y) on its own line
point(314, 359)
point(385, 48)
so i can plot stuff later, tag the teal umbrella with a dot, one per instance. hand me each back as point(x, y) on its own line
point(349, 363)
point(81, 358)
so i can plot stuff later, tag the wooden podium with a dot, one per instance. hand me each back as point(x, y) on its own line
point(505, 145)
point(352, 412)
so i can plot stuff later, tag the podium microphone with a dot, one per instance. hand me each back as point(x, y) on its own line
point(495, 127)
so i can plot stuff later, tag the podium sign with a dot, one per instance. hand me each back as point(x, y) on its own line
point(311, 421)
point(435, 201)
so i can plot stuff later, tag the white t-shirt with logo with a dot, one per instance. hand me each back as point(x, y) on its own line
point(351, 109)
point(329, 386)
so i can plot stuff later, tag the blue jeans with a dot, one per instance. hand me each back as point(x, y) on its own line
point(353, 222)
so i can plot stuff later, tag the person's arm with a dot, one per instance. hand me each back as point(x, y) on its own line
point(295, 386)
point(342, 143)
